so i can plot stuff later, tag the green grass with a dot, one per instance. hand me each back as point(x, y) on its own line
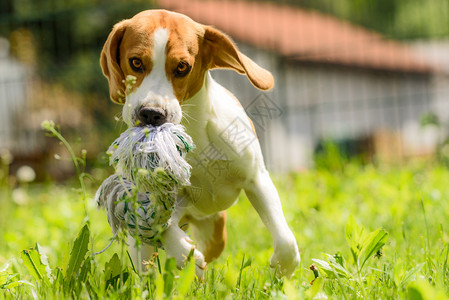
point(364, 232)
point(410, 203)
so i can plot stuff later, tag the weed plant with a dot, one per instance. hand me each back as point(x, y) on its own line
point(364, 231)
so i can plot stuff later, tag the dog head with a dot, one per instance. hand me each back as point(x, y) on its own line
point(168, 54)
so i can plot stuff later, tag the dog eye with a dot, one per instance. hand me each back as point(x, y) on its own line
point(136, 64)
point(182, 69)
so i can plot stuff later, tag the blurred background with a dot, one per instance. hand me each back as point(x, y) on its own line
point(365, 80)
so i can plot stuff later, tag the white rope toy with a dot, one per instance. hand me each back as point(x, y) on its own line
point(150, 164)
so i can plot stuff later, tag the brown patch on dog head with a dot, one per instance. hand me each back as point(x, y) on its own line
point(190, 46)
point(110, 62)
point(133, 38)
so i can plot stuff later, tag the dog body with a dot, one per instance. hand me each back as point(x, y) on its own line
point(170, 55)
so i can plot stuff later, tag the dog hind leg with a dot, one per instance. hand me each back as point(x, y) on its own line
point(210, 234)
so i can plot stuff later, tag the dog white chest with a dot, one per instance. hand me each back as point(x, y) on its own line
point(227, 151)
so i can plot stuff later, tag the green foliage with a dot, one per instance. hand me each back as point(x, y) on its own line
point(423, 290)
point(430, 118)
point(410, 202)
point(9, 281)
point(363, 245)
point(330, 157)
point(398, 19)
point(38, 269)
point(379, 197)
point(77, 269)
point(186, 278)
point(77, 255)
point(114, 273)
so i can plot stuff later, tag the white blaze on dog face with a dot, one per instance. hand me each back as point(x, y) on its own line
point(155, 90)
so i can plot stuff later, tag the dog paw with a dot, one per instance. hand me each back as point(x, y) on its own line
point(200, 261)
point(178, 245)
point(286, 257)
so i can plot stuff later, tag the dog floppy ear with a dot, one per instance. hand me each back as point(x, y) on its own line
point(110, 63)
point(223, 53)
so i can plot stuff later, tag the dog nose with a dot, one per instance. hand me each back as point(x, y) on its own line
point(152, 116)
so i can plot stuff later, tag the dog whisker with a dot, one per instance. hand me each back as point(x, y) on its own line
point(188, 118)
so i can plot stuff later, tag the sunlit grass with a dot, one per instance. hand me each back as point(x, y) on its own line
point(411, 203)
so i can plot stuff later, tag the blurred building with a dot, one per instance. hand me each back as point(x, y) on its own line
point(334, 81)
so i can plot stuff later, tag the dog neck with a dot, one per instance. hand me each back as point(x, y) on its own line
point(199, 108)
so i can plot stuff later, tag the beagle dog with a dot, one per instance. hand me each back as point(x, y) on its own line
point(170, 56)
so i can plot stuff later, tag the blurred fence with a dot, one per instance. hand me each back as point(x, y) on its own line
point(335, 81)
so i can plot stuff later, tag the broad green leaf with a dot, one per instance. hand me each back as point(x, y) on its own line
point(113, 267)
point(31, 260)
point(44, 260)
point(79, 251)
point(113, 271)
point(170, 264)
point(325, 267)
point(85, 269)
point(315, 288)
point(354, 234)
point(337, 267)
point(186, 277)
point(159, 293)
point(331, 267)
point(363, 245)
point(169, 276)
point(371, 244)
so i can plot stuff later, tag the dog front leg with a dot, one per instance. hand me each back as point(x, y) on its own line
point(265, 199)
point(141, 256)
point(178, 245)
